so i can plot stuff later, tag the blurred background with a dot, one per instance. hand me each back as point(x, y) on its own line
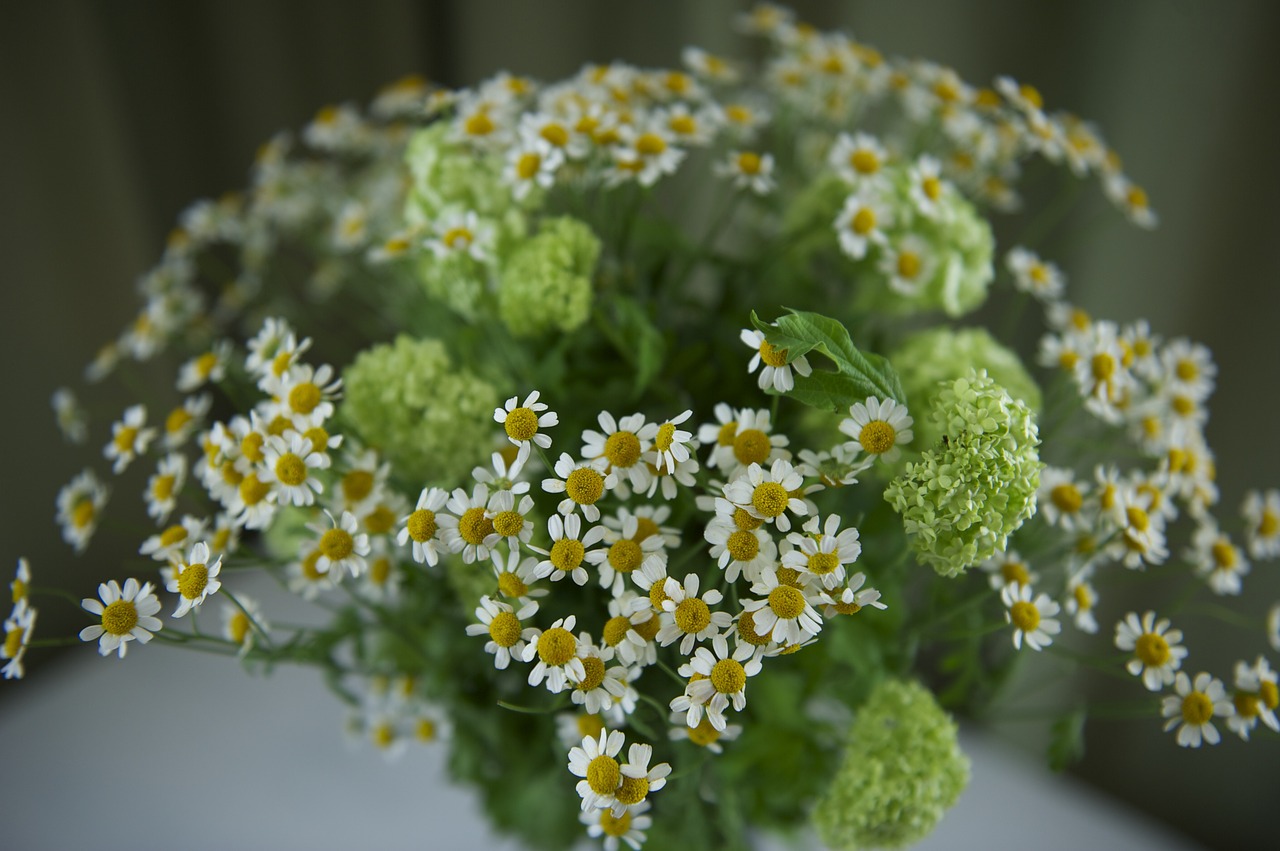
point(117, 115)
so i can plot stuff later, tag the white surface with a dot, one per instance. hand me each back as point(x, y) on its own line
point(171, 749)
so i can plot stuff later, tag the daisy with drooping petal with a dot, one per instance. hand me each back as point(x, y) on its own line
point(583, 483)
point(878, 428)
point(568, 550)
point(850, 599)
point(421, 526)
point(1033, 622)
point(194, 579)
point(776, 373)
point(129, 438)
point(505, 475)
point(691, 617)
point(704, 735)
point(504, 625)
point(128, 614)
point(1156, 648)
point(169, 544)
point(638, 779)
point(243, 623)
point(672, 445)
point(523, 423)
point(1193, 708)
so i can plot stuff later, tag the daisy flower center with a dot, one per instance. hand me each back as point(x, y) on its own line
point(1138, 519)
point(12, 643)
point(863, 221)
point(279, 425)
point(657, 596)
point(692, 616)
point(744, 520)
point(238, 627)
point(380, 571)
point(383, 736)
point(304, 398)
point(584, 485)
point(310, 568)
point(932, 188)
point(704, 734)
point(124, 438)
point(645, 528)
point(251, 446)
point(425, 730)
point(459, 237)
point(1067, 498)
point(163, 488)
point(177, 420)
point(291, 470)
point(1025, 616)
point(625, 555)
point(357, 484)
point(751, 446)
point(603, 774)
point(1015, 571)
point(683, 125)
point(728, 676)
point(527, 165)
point(749, 162)
point(823, 563)
point(615, 826)
point(319, 438)
point(205, 364)
point(590, 725)
point(173, 535)
point(633, 790)
point(877, 437)
point(650, 144)
point(511, 585)
point(1103, 366)
point(193, 580)
point(1246, 704)
point(908, 264)
point(594, 667)
point(850, 608)
point(557, 646)
point(864, 162)
point(1224, 555)
point(253, 490)
point(504, 629)
point(1197, 708)
point(479, 124)
point(1269, 524)
point(567, 554)
point(649, 629)
point(786, 602)
point(474, 527)
point(336, 544)
point(770, 499)
point(1152, 649)
point(789, 576)
point(1084, 599)
point(743, 546)
point(622, 448)
point(84, 512)
point(422, 525)
point(665, 437)
point(120, 617)
point(508, 523)
point(772, 355)
point(747, 630)
point(1270, 694)
point(19, 590)
point(380, 521)
point(725, 436)
point(615, 630)
point(555, 134)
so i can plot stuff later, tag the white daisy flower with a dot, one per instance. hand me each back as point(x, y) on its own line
point(183, 420)
point(342, 546)
point(625, 554)
point(1033, 622)
point(1261, 512)
point(1220, 562)
point(209, 367)
point(17, 637)
point(128, 614)
point(1193, 708)
point(823, 551)
point(851, 599)
point(723, 682)
point(20, 587)
point(1082, 599)
point(644, 154)
point(568, 550)
point(1156, 648)
point(80, 505)
point(627, 828)
point(168, 545)
point(243, 623)
point(786, 613)
point(768, 495)
point(515, 574)
point(672, 445)
point(878, 428)
point(638, 779)
point(504, 625)
point(505, 476)
point(194, 579)
point(776, 373)
point(632, 629)
point(1032, 275)
point(164, 486)
point(1061, 498)
point(582, 483)
point(908, 264)
point(129, 438)
point(602, 684)
point(304, 395)
point(928, 189)
point(622, 444)
point(288, 465)
point(305, 579)
point(704, 735)
point(860, 224)
point(510, 519)
point(1256, 698)
point(859, 160)
point(461, 233)
point(595, 760)
point(1008, 567)
point(556, 650)
point(750, 170)
point(467, 528)
point(739, 551)
point(523, 423)
point(691, 617)
point(531, 163)
point(421, 526)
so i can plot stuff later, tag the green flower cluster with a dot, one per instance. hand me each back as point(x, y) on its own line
point(941, 354)
point(961, 501)
point(546, 282)
point(431, 419)
point(902, 769)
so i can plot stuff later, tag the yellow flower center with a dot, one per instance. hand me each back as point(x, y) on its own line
point(1152, 650)
point(310, 566)
point(238, 627)
point(422, 525)
point(749, 162)
point(594, 666)
point(585, 485)
point(557, 646)
point(649, 629)
point(193, 580)
point(665, 437)
point(336, 544)
point(725, 436)
point(615, 826)
point(380, 571)
point(1025, 616)
point(692, 616)
point(863, 221)
point(527, 165)
point(279, 425)
point(771, 355)
point(19, 589)
point(1269, 524)
point(603, 774)
point(823, 563)
point(650, 145)
point(291, 470)
point(932, 188)
point(877, 437)
point(566, 554)
point(625, 555)
point(459, 237)
point(124, 439)
point(632, 790)
point(521, 424)
point(615, 630)
point(425, 730)
point(908, 264)
point(83, 514)
point(1246, 704)
point(1015, 571)
point(682, 125)
point(1103, 366)
point(747, 630)
point(745, 521)
point(357, 485)
point(177, 420)
point(508, 524)
point(789, 576)
point(657, 596)
point(173, 535)
point(590, 725)
point(864, 161)
point(478, 124)
point(319, 438)
point(743, 546)
point(1197, 708)
point(253, 490)
point(1224, 555)
point(728, 676)
point(770, 499)
point(1136, 197)
point(12, 643)
point(474, 527)
point(379, 521)
point(622, 448)
point(1270, 694)
point(120, 617)
point(751, 446)
point(704, 734)
point(851, 608)
point(510, 585)
point(787, 602)
point(205, 364)
point(304, 398)
point(504, 629)
point(162, 488)
point(1084, 599)
point(1067, 498)
point(556, 134)
point(1138, 518)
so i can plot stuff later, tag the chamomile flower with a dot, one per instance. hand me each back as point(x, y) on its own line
point(595, 760)
point(1194, 707)
point(306, 579)
point(1081, 600)
point(1032, 275)
point(776, 373)
point(422, 526)
point(243, 623)
point(1156, 648)
point(523, 422)
point(928, 189)
point(822, 551)
point(129, 438)
point(908, 264)
point(1007, 567)
point(622, 444)
point(743, 438)
point(1220, 562)
point(462, 233)
point(127, 614)
point(672, 445)
point(20, 587)
point(691, 617)
point(750, 170)
point(511, 518)
point(505, 475)
point(722, 682)
point(783, 612)
point(80, 505)
point(169, 544)
point(859, 160)
point(878, 428)
point(531, 164)
point(638, 779)
point(183, 420)
point(704, 735)
point(627, 828)
point(861, 224)
point(631, 629)
point(568, 550)
point(1132, 200)
point(72, 420)
point(1261, 512)
point(625, 554)
point(194, 579)
point(769, 495)
point(305, 395)
point(342, 546)
point(1061, 498)
point(515, 573)
point(850, 599)
point(163, 487)
point(602, 684)
point(644, 154)
point(556, 650)
point(739, 551)
point(1033, 622)
point(1256, 698)
point(17, 637)
point(288, 466)
point(583, 483)
point(467, 528)
point(504, 625)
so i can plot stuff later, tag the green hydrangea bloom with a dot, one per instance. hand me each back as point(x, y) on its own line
point(431, 419)
point(902, 769)
point(944, 354)
point(961, 501)
point(546, 282)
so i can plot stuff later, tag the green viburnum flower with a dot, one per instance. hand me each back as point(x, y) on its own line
point(902, 769)
point(431, 419)
point(941, 354)
point(961, 501)
point(447, 175)
point(546, 282)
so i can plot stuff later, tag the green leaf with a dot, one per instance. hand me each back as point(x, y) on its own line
point(1067, 743)
point(857, 375)
point(636, 338)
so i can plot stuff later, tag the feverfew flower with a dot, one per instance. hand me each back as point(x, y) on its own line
point(691, 617)
point(722, 682)
point(461, 233)
point(194, 579)
point(80, 505)
point(749, 170)
point(1193, 708)
point(163, 487)
point(595, 760)
point(288, 464)
point(342, 546)
point(1033, 622)
point(129, 438)
point(621, 443)
point(17, 636)
point(421, 526)
point(568, 550)
point(1256, 698)
point(127, 614)
point(638, 779)
point(556, 650)
point(243, 623)
point(505, 627)
point(1261, 512)
point(1032, 275)
point(1216, 559)
point(467, 528)
point(628, 827)
point(878, 428)
point(823, 551)
point(860, 224)
point(777, 368)
point(1156, 648)
point(582, 483)
point(768, 495)
point(786, 613)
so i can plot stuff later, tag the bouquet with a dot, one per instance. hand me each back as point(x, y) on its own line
point(637, 431)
